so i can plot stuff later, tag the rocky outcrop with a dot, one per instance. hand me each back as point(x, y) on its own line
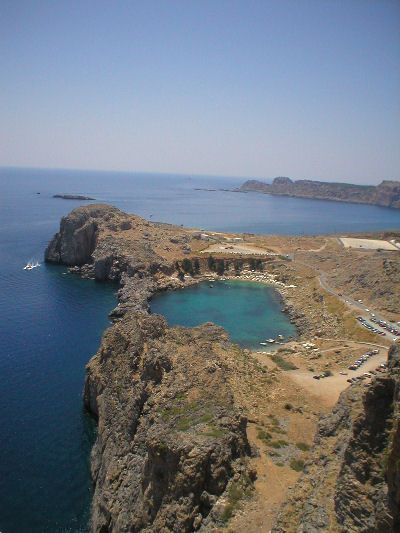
point(76, 240)
point(351, 480)
point(102, 242)
point(170, 442)
point(385, 194)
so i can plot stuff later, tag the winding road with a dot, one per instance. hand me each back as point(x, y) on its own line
point(365, 311)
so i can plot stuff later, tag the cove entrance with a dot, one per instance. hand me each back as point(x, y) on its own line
point(250, 312)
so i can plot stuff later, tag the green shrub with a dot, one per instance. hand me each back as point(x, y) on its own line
point(297, 464)
point(282, 363)
point(187, 266)
point(303, 446)
point(196, 266)
point(211, 263)
point(277, 443)
point(220, 268)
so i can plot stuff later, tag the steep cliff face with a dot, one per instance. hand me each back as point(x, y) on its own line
point(170, 442)
point(385, 194)
point(352, 478)
point(76, 240)
point(91, 235)
point(388, 194)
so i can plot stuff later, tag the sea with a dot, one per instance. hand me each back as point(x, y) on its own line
point(51, 321)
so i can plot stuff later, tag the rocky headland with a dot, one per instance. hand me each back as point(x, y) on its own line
point(171, 444)
point(182, 412)
point(385, 194)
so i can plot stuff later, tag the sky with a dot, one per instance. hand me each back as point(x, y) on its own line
point(299, 88)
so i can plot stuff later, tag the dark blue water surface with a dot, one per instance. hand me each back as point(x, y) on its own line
point(51, 322)
point(250, 312)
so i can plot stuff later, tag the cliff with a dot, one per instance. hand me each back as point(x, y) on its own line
point(385, 194)
point(101, 242)
point(170, 442)
point(351, 480)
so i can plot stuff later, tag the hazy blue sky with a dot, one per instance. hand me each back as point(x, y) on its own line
point(302, 88)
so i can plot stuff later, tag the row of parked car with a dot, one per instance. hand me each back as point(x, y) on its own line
point(362, 359)
point(380, 368)
point(369, 326)
point(323, 375)
point(391, 329)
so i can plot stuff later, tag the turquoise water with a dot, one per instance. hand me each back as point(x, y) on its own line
point(250, 312)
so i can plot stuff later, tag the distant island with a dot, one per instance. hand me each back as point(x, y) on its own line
point(72, 197)
point(385, 194)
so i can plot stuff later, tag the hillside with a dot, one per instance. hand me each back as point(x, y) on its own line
point(386, 194)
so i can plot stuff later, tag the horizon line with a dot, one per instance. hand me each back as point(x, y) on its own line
point(183, 174)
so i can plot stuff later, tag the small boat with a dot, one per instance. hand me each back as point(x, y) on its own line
point(263, 343)
point(280, 336)
point(211, 286)
point(271, 340)
point(31, 265)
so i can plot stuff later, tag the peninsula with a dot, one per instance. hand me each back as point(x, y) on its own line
point(193, 431)
point(385, 194)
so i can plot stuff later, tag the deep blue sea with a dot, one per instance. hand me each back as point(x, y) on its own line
point(51, 322)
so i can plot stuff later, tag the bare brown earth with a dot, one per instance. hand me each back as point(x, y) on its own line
point(314, 275)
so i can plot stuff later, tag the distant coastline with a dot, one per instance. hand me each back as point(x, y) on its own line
point(386, 194)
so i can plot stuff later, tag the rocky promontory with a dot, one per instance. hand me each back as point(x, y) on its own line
point(385, 194)
point(102, 242)
point(170, 442)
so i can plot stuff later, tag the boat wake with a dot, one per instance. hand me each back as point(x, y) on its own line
point(31, 264)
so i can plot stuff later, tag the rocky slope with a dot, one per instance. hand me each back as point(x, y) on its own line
point(351, 480)
point(102, 242)
point(170, 442)
point(386, 193)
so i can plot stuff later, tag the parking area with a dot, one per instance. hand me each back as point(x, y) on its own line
point(329, 388)
point(367, 244)
point(381, 327)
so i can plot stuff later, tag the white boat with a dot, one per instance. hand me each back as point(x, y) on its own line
point(263, 343)
point(271, 340)
point(31, 265)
